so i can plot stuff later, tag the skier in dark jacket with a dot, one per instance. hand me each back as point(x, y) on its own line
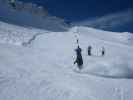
point(103, 51)
point(79, 59)
point(89, 50)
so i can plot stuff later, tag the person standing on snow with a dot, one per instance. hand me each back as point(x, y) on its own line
point(89, 50)
point(103, 51)
point(79, 59)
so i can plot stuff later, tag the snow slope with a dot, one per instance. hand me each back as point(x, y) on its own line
point(17, 35)
point(43, 69)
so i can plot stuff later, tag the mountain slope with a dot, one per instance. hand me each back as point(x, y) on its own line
point(116, 22)
point(24, 18)
point(44, 70)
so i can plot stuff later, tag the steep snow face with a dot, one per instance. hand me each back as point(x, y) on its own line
point(24, 18)
point(44, 70)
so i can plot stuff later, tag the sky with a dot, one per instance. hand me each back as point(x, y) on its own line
point(75, 10)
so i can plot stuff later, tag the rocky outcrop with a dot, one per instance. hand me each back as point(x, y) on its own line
point(30, 15)
point(30, 7)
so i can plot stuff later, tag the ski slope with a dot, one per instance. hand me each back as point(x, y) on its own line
point(43, 68)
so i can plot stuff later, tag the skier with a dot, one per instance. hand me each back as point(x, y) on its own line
point(89, 50)
point(103, 51)
point(79, 59)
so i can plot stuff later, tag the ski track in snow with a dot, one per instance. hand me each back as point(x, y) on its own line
point(17, 35)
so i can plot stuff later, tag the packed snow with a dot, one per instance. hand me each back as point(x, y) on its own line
point(43, 69)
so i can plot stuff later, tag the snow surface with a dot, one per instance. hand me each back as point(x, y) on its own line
point(43, 68)
point(17, 35)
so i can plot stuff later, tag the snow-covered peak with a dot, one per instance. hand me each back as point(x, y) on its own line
point(30, 16)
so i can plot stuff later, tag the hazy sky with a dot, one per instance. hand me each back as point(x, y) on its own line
point(75, 10)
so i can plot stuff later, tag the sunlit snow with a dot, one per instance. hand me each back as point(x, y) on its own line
point(43, 68)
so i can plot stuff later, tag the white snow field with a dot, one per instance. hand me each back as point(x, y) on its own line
point(17, 35)
point(43, 68)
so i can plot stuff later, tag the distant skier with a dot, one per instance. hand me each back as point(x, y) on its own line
point(89, 50)
point(78, 41)
point(79, 59)
point(103, 51)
